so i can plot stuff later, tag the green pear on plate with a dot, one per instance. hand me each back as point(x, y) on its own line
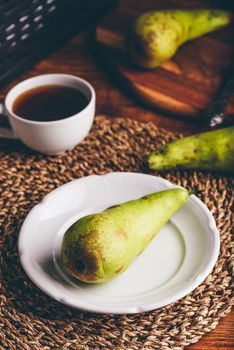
point(99, 247)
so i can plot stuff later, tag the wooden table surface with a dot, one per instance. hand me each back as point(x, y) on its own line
point(76, 58)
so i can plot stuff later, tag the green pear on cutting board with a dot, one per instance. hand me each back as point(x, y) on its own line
point(101, 246)
point(155, 36)
point(213, 150)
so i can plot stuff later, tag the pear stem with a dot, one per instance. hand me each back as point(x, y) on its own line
point(192, 192)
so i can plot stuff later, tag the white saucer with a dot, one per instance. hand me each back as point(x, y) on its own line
point(178, 259)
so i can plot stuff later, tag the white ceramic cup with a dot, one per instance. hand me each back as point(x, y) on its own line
point(50, 137)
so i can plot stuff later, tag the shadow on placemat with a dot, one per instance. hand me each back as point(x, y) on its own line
point(32, 320)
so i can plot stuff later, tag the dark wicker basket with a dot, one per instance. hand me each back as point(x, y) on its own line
point(30, 29)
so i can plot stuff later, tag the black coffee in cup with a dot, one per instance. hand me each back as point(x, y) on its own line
point(49, 103)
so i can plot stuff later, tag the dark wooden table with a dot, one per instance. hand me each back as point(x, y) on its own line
point(76, 58)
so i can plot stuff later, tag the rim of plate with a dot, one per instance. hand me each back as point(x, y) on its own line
point(84, 306)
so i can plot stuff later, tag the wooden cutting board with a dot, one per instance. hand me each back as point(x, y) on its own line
point(183, 86)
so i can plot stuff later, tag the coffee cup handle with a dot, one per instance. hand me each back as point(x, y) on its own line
point(6, 133)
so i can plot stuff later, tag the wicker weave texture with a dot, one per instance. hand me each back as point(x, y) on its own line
point(31, 320)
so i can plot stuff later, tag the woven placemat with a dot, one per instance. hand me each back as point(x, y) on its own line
point(31, 320)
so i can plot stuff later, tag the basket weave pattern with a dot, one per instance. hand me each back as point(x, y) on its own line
point(31, 320)
point(31, 29)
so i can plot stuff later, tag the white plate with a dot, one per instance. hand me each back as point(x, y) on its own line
point(178, 259)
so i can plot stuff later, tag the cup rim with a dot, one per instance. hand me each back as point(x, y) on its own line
point(60, 121)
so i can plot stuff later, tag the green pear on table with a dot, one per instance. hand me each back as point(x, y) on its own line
point(101, 246)
point(212, 150)
point(154, 37)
